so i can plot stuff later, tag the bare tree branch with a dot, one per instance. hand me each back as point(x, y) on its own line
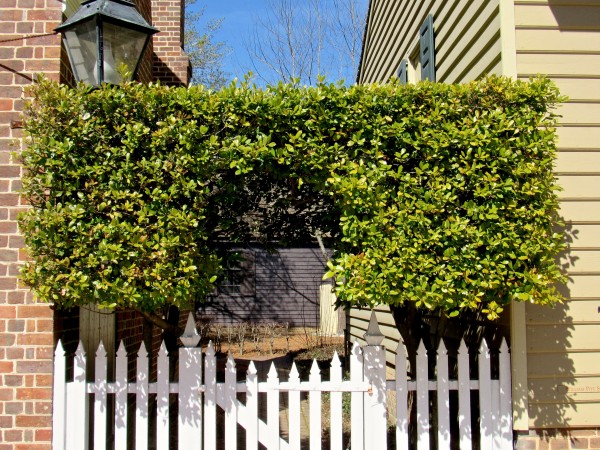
point(302, 40)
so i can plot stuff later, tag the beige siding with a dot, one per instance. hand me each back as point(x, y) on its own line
point(561, 38)
point(358, 321)
point(467, 38)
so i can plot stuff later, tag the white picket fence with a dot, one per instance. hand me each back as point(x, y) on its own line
point(199, 396)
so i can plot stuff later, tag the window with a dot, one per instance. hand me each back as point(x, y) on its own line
point(420, 62)
point(403, 72)
point(427, 50)
point(238, 277)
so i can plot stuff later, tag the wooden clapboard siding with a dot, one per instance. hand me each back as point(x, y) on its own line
point(561, 38)
point(579, 138)
point(586, 237)
point(568, 313)
point(358, 321)
point(580, 212)
point(467, 38)
point(286, 289)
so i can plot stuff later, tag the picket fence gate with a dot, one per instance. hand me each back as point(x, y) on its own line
point(198, 401)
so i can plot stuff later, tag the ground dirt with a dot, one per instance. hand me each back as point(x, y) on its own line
point(297, 343)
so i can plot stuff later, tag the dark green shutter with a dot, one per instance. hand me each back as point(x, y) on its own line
point(403, 72)
point(427, 44)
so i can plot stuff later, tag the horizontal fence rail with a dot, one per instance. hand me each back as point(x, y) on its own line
point(283, 414)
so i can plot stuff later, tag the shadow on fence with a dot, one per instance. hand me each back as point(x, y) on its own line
point(264, 406)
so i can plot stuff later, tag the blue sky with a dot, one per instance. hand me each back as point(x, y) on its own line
point(238, 22)
point(239, 18)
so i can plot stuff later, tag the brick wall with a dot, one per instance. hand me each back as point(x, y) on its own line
point(144, 73)
point(26, 328)
point(558, 439)
point(170, 63)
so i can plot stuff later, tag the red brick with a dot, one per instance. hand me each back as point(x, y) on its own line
point(7, 394)
point(16, 297)
point(34, 421)
point(5, 105)
point(6, 422)
point(580, 443)
point(30, 446)
point(8, 255)
point(34, 393)
point(8, 312)
point(10, 171)
point(28, 339)
point(8, 283)
point(13, 435)
point(34, 367)
point(43, 408)
point(44, 353)
point(8, 227)
point(35, 311)
point(559, 444)
point(13, 408)
point(7, 339)
point(12, 354)
point(42, 325)
point(16, 326)
point(43, 435)
point(12, 15)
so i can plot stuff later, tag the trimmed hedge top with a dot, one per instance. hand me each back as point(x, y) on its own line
point(437, 194)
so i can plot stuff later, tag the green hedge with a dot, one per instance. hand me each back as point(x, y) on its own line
point(437, 194)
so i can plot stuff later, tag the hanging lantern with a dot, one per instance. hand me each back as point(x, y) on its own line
point(105, 39)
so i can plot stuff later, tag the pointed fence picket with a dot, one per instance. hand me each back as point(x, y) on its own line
point(200, 397)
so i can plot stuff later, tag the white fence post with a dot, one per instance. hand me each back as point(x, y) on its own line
point(121, 398)
point(443, 398)
point(141, 399)
point(252, 407)
point(505, 398)
point(485, 398)
point(335, 430)
point(59, 399)
point(375, 400)
point(162, 398)
point(77, 405)
point(401, 398)
point(100, 399)
point(230, 405)
point(314, 400)
point(294, 402)
point(210, 399)
point(190, 379)
point(464, 398)
point(273, 409)
point(357, 399)
point(423, 423)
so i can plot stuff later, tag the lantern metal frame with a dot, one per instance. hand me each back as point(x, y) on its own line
point(118, 13)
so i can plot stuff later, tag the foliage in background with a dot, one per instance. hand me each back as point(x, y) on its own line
point(436, 195)
point(206, 55)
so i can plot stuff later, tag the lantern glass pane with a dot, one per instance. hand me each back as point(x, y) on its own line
point(122, 50)
point(82, 47)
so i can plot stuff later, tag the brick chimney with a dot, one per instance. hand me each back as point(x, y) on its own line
point(170, 64)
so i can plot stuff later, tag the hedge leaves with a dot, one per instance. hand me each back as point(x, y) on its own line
point(442, 195)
